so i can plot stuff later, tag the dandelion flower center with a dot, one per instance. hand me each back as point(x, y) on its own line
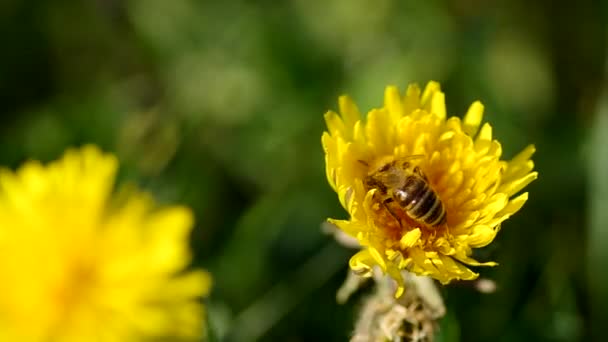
point(76, 287)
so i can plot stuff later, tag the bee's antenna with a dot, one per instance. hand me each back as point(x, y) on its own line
point(363, 162)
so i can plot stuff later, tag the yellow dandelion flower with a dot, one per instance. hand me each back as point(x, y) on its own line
point(78, 264)
point(422, 190)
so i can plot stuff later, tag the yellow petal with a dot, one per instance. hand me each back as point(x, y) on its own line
point(329, 146)
point(362, 263)
point(395, 273)
point(334, 123)
point(495, 204)
point(468, 220)
point(400, 290)
point(451, 182)
point(438, 105)
point(377, 256)
point(431, 88)
point(515, 204)
point(443, 246)
point(351, 228)
point(192, 284)
point(423, 262)
point(168, 232)
point(515, 186)
point(410, 238)
point(456, 269)
point(453, 124)
point(345, 193)
point(473, 203)
point(485, 134)
point(473, 118)
point(513, 172)
point(359, 134)
point(392, 102)
point(411, 100)
point(517, 168)
point(470, 261)
point(349, 112)
point(481, 236)
point(380, 131)
point(524, 155)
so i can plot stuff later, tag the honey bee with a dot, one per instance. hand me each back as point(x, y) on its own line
point(405, 184)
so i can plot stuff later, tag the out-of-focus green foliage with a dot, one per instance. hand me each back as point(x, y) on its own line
point(598, 215)
point(218, 105)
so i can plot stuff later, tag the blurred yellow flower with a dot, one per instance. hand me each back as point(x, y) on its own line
point(462, 165)
point(78, 264)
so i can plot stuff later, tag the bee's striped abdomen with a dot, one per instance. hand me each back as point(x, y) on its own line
point(420, 201)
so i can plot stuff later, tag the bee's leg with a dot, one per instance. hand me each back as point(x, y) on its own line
point(385, 204)
point(420, 173)
point(363, 162)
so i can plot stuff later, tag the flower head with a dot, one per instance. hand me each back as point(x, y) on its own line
point(455, 163)
point(78, 264)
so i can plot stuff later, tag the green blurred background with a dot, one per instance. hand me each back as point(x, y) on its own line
point(219, 105)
